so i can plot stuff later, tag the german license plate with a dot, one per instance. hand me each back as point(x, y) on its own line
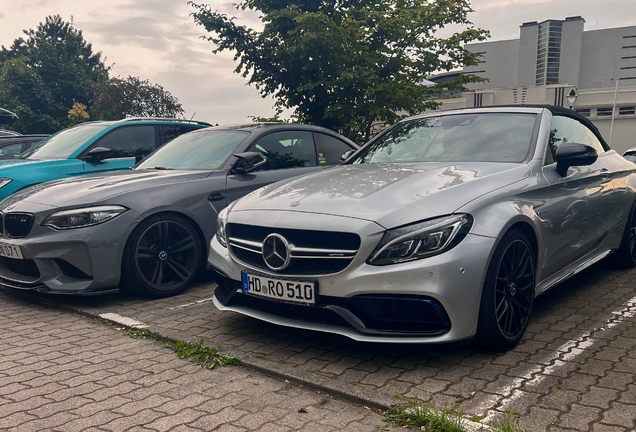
point(10, 251)
point(282, 290)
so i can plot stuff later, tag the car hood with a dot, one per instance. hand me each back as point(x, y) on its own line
point(389, 194)
point(9, 163)
point(93, 188)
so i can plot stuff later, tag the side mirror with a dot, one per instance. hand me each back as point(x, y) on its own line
point(98, 154)
point(574, 154)
point(248, 162)
point(346, 155)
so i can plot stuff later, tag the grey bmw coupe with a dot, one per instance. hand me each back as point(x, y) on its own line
point(446, 226)
point(148, 229)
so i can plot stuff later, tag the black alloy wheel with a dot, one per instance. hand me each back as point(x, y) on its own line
point(515, 289)
point(508, 293)
point(163, 257)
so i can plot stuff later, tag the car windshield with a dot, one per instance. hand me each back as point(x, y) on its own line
point(63, 144)
point(482, 137)
point(198, 150)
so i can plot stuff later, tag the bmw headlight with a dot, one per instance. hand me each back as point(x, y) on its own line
point(421, 240)
point(220, 222)
point(83, 217)
point(4, 181)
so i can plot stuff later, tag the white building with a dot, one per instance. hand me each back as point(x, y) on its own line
point(549, 60)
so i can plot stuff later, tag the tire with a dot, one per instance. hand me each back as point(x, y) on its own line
point(625, 256)
point(508, 293)
point(163, 256)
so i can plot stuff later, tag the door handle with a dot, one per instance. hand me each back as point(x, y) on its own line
point(216, 196)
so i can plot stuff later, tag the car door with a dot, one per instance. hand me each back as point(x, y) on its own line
point(289, 153)
point(580, 202)
point(128, 143)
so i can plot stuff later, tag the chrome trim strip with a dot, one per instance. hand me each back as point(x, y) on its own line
point(247, 242)
point(325, 251)
point(246, 248)
point(323, 257)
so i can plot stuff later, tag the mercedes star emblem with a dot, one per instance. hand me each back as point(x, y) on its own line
point(276, 252)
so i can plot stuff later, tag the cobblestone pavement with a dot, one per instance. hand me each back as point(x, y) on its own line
point(574, 370)
point(59, 372)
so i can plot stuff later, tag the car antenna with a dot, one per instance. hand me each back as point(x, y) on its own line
point(195, 113)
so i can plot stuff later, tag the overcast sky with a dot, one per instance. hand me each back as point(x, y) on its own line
point(158, 40)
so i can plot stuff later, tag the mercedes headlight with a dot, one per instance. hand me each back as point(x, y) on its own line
point(421, 240)
point(4, 181)
point(83, 217)
point(220, 225)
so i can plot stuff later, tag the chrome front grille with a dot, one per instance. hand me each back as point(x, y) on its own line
point(311, 252)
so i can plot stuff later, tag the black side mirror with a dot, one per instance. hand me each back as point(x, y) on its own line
point(98, 154)
point(346, 155)
point(248, 162)
point(574, 154)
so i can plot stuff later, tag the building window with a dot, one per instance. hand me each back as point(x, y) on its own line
point(584, 112)
point(627, 110)
point(604, 112)
point(549, 52)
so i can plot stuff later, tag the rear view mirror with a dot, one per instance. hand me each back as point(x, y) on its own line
point(346, 155)
point(98, 154)
point(574, 154)
point(248, 162)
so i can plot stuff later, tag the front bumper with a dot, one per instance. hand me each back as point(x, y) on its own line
point(451, 282)
point(75, 261)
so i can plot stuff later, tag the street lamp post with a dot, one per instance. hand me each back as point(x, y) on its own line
point(572, 96)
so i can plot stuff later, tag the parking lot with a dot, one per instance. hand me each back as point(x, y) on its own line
point(61, 372)
point(575, 368)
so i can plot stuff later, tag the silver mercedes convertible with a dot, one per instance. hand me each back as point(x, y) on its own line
point(444, 227)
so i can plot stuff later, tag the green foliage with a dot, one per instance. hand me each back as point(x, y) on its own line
point(102, 321)
point(206, 357)
point(507, 425)
point(120, 97)
point(347, 64)
point(136, 333)
point(423, 416)
point(77, 114)
point(275, 118)
point(42, 75)
point(433, 419)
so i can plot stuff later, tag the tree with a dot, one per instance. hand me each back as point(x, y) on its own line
point(120, 97)
point(77, 114)
point(347, 64)
point(42, 75)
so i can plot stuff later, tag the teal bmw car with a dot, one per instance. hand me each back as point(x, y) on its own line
point(90, 148)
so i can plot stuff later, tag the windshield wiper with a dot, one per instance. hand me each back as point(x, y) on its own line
point(164, 168)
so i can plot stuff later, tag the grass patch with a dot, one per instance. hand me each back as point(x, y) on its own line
point(417, 414)
point(136, 333)
point(103, 321)
point(507, 425)
point(424, 416)
point(208, 358)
